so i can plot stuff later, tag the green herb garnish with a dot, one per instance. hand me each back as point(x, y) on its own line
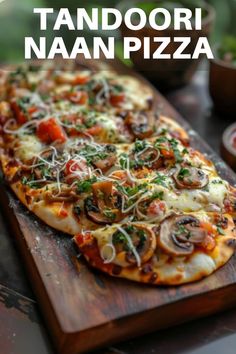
point(86, 185)
point(184, 172)
point(160, 180)
point(220, 230)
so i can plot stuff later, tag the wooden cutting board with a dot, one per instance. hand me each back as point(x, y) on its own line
point(85, 309)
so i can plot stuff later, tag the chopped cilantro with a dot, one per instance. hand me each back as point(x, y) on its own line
point(139, 145)
point(45, 170)
point(185, 151)
point(109, 214)
point(164, 131)
point(160, 180)
point(141, 233)
point(92, 100)
point(23, 103)
point(17, 75)
point(129, 228)
point(90, 122)
point(184, 172)
point(142, 238)
point(124, 161)
point(157, 195)
point(79, 127)
point(117, 89)
point(174, 146)
point(220, 230)
point(217, 181)
point(182, 231)
point(130, 191)
point(118, 237)
point(91, 153)
point(31, 182)
point(85, 186)
point(24, 180)
point(173, 143)
point(161, 140)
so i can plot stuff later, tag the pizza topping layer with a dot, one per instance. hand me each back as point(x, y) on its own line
point(88, 151)
point(180, 235)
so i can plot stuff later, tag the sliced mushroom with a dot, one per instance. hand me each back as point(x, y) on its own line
point(179, 233)
point(150, 157)
point(190, 178)
point(134, 243)
point(107, 162)
point(104, 207)
point(65, 196)
point(142, 124)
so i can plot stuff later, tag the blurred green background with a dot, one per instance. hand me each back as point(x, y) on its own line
point(17, 21)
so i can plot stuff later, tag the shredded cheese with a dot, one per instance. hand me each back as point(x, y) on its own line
point(108, 253)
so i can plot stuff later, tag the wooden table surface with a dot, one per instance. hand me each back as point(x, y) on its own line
point(23, 330)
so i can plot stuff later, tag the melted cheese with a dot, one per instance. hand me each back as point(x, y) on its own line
point(137, 95)
point(193, 200)
point(35, 77)
point(109, 128)
point(29, 146)
point(218, 190)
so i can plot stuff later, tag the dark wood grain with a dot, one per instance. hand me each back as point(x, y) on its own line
point(85, 309)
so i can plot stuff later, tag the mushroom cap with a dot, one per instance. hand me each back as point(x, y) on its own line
point(179, 233)
point(104, 206)
point(150, 157)
point(190, 178)
point(143, 240)
point(106, 163)
point(141, 124)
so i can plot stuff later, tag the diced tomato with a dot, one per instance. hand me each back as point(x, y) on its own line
point(79, 97)
point(20, 116)
point(180, 136)
point(116, 100)
point(167, 153)
point(71, 120)
point(32, 109)
point(73, 166)
point(80, 80)
point(81, 239)
point(63, 213)
point(89, 248)
point(49, 131)
point(120, 175)
point(208, 227)
point(96, 130)
point(156, 208)
point(209, 243)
